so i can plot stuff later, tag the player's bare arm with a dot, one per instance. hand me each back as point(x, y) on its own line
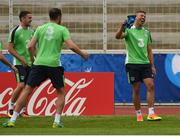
point(5, 61)
point(32, 48)
point(11, 50)
point(72, 46)
point(151, 58)
point(120, 32)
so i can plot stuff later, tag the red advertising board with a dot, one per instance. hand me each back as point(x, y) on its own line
point(86, 94)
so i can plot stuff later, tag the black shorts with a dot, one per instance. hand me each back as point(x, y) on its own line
point(39, 74)
point(138, 72)
point(23, 73)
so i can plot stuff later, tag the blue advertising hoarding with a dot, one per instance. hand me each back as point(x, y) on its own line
point(167, 80)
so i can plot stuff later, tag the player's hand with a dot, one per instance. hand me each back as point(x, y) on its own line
point(14, 69)
point(124, 23)
point(153, 70)
point(85, 55)
point(23, 62)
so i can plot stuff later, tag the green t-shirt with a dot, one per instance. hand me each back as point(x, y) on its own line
point(137, 41)
point(0, 46)
point(21, 37)
point(50, 37)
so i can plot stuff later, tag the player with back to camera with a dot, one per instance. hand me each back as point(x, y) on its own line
point(139, 62)
point(50, 38)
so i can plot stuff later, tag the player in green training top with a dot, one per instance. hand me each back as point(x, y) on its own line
point(18, 41)
point(5, 61)
point(50, 38)
point(139, 62)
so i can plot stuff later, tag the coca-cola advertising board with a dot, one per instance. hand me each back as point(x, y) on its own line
point(86, 94)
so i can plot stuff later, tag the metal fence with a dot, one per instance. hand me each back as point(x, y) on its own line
point(93, 23)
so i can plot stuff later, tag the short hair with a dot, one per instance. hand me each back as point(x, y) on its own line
point(23, 14)
point(54, 13)
point(141, 11)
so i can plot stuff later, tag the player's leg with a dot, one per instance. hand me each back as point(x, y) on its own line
point(134, 79)
point(150, 100)
point(59, 108)
point(23, 112)
point(150, 91)
point(21, 102)
point(136, 100)
point(60, 100)
point(16, 92)
point(57, 78)
point(36, 76)
point(149, 83)
point(20, 85)
point(14, 97)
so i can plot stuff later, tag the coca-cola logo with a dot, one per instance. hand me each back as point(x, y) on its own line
point(42, 100)
point(3, 99)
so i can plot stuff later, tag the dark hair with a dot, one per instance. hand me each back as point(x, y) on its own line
point(54, 13)
point(141, 11)
point(23, 14)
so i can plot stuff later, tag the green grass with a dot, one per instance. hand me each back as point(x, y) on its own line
point(105, 125)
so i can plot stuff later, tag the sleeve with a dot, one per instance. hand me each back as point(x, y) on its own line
point(36, 33)
point(10, 39)
point(126, 33)
point(0, 46)
point(33, 31)
point(66, 34)
point(149, 39)
point(12, 35)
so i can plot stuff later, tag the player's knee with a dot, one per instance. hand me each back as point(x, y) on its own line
point(61, 91)
point(28, 89)
point(150, 87)
point(136, 89)
point(20, 86)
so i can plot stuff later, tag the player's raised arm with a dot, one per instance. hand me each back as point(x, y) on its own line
point(120, 32)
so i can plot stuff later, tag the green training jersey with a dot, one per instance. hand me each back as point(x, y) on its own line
point(21, 37)
point(0, 46)
point(50, 37)
point(137, 40)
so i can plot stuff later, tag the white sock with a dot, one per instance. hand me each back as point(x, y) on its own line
point(138, 112)
point(11, 105)
point(57, 118)
point(151, 110)
point(14, 116)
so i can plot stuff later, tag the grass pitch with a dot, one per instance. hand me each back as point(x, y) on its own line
point(90, 125)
